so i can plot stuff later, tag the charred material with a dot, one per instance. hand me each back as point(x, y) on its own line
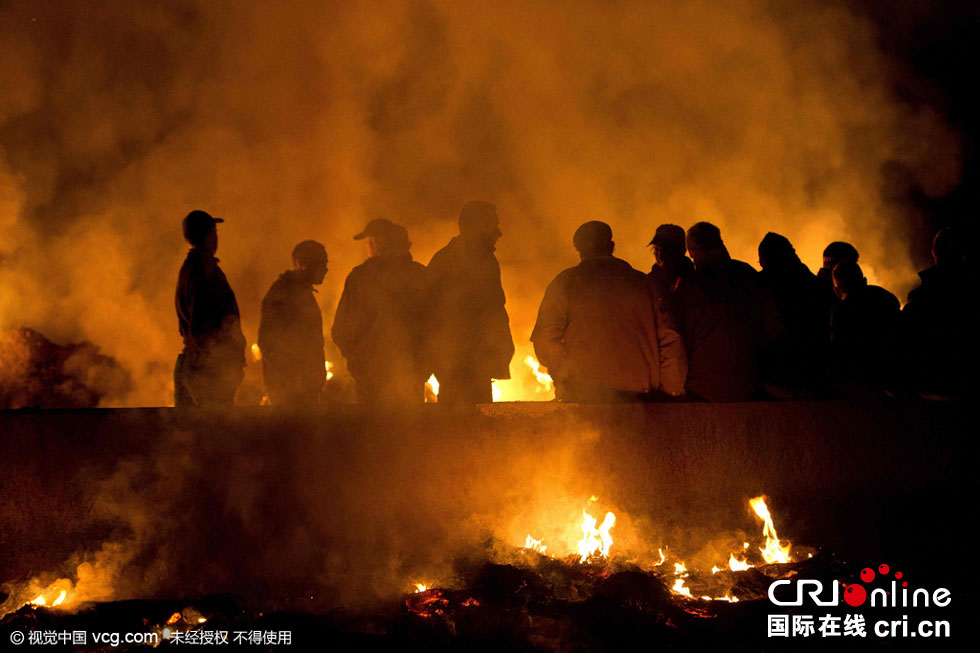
point(37, 373)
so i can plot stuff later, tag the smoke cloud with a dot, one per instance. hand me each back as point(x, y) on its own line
point(307, 120)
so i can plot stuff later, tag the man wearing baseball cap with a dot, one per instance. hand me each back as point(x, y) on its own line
point(671, 264)
point(379, 323)
point(210, 367)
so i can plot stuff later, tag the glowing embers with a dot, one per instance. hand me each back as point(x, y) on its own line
point(774, 551)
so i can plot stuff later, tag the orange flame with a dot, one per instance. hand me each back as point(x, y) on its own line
point(773, 552)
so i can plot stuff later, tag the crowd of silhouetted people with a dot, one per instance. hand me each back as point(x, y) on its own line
point(699, 326)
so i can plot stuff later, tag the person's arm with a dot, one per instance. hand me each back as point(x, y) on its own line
point(548, 336)
point(502, 342)
point(344, 330)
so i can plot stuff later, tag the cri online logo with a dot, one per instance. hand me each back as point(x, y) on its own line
point(856, 594)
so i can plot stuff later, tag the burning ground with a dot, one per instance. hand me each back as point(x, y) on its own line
point(328, 523)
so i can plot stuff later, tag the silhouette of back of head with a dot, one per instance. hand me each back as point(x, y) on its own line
point(703, 240)
point(594, 238)
point(946, 249)
point(838, 251)
point(775, 251)
point(848, 278)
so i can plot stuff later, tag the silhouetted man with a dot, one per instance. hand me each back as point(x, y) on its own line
point(940, 334)
point(671, 263)
point(379, 326)
point(836, 252)
point(210, 368)
point(598, 332)
point(470, 341)
point(863, 329)
point(795, 365)
point(724, 317)
point(291, 331)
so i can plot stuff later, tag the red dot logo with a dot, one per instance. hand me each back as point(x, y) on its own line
point(867, 574)
point(898, 575)
point(855, 595)
point(883, 569)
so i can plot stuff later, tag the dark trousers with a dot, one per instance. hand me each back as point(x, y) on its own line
point(204, 385)
point(464, 390)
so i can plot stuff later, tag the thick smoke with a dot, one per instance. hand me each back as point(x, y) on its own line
point(306, 120)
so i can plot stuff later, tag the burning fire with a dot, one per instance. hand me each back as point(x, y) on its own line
point(679, 588)
point(595, 542)
point(256, 352)
point(738, 565)
point(420, 587)
point(534, 545)
point(42, 602)
point(545, 382)
point(432, 390)
point(774, 552)
point(328, 366)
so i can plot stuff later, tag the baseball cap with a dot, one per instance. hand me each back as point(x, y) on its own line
point(669, 235)
point(198, 222)
point(376, 228)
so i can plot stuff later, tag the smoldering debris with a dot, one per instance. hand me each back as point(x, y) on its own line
point(37, 373)
point(531, 603)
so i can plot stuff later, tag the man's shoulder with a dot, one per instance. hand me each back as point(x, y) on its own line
point(280, 288)
point(743, 269)
point(444, 255)
point(884, 297)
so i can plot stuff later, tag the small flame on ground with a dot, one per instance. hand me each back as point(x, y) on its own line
point(256, 352)
point(432, 388)
point(662, 558)
point(420, 587)
point(41, 601)
point(679, 588)
point(596, 541)
point(534, 545)
point(774, 551)
point(680, 568)
point(174, 618)
point(328, 367)
point(738, 565)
